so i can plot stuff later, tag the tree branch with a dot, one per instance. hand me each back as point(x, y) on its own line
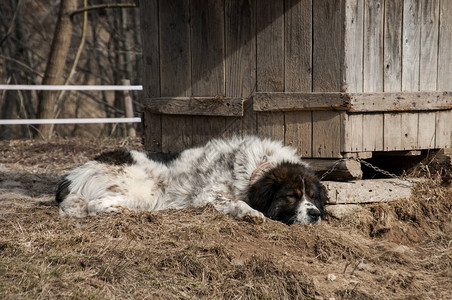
point(102, 6)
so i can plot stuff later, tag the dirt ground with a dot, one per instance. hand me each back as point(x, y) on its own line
point(399, 250)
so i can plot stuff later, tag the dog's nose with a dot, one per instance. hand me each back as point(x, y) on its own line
point(314, 213)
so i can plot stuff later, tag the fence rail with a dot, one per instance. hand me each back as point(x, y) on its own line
point(22, 87)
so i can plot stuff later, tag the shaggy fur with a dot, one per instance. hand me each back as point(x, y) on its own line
point(247, 178)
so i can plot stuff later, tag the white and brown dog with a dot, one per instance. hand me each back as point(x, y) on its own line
point(244, 177)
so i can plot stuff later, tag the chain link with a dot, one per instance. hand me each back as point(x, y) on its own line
point(377, 169)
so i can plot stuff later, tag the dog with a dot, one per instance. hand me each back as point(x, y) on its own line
point(246, 177)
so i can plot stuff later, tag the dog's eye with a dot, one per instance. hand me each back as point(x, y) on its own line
point(311, 193)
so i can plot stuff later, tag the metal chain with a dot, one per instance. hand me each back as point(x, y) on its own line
point(377, 169)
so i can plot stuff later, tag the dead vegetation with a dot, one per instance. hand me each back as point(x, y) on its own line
point(400, 250)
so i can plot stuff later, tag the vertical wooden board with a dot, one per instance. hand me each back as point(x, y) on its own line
point(373, 65)
point(239, 58)
point(409, 127)
point(176, 133)
point(353, 52)
point(152, 127)
point(392, 131)
point(373, 132)
point(411, 45)
point(352, 132)
point(207, 47)
point(175, 70)
point(393, 46)
point(271, 125)
point(206, 128)
point(270, 62)
point(445, 46)
point(327, 45)
point(327, 77)
point(352, 129)
point(326, 134)
point(249, 120)
point(238, 55)
point(426, 130)
point(298, 71)
point(373, 46)
point(444, 129)
point(298, 46)
point(299, 132)
point(429, 45)
point(207, 52)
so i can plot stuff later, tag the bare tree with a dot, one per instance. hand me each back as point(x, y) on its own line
point(55, 66)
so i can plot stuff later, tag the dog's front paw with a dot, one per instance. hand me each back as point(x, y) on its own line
point(254, 216)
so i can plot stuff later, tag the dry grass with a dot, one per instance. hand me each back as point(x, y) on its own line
point(400, 250)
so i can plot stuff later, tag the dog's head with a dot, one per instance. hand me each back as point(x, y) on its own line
point(289, 193)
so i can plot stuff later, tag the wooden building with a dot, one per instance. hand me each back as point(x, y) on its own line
point(330, 77)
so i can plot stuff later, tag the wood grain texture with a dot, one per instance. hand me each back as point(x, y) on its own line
point(444, 129)
point(239, 57)
point(299, 132)
point(429, 45)
point(300, 101)
point(373, 132)
point(270, 62)
point(445, 46)
point(392, 131)
point(298, 46)
point(393, 46)
point(327, 45)
point(207, 52)
point(175, 70)
point(152, 126)
point(426, 130)
point(199, 106)
point(326, 134)
point(354, 42)
point(411, 45)
point(409, 127)
point(373, 46)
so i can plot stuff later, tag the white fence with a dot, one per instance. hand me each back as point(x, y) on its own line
point(17, 87)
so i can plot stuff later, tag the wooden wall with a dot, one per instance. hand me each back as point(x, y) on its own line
point(393, 46)
point(237, 48)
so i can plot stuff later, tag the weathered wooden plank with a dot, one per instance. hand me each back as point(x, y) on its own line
point(393, 46)
point(445, 46)
point(300, 101)
point(175, 70)
point(353, 52)
point(270, 62)
point(373, 132)
point(368, 191)
point(299, 132)
point(426, 134)
point(373, 46)
point(152, 126)
point(298, 46)
point(238, 57)
point(344, 170)
point(444, 129)
point(392, 131)
point(406, 101)
point(326, 134)
point(429, 45)
point(409, 126)
point(327, 45)
point(352, 132)
point(200, 106)
point(354, 102)
point(373, 75)
point(207, 52)
point(207, 47)
point(411, 45)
